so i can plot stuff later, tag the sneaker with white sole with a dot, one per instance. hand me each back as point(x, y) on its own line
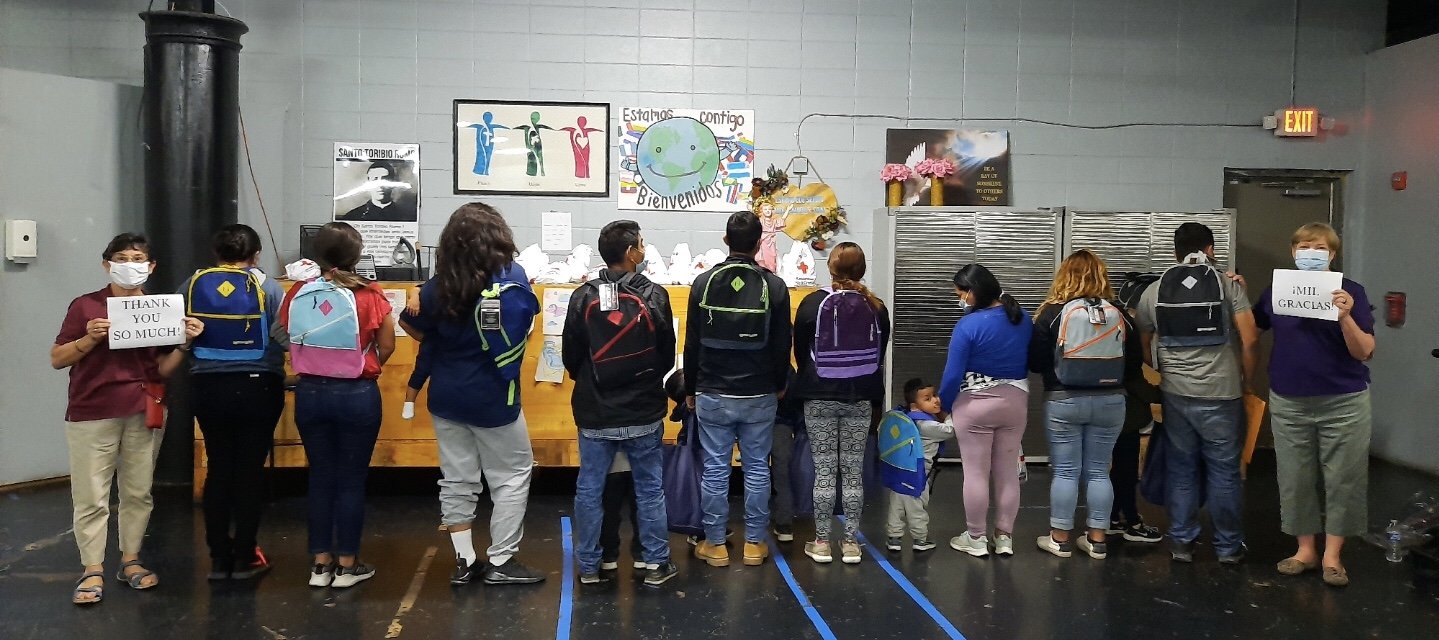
point(322, 575)
point(784, 533)
point(1060, 549)
point(1003, 544)
point(609, 565)
point(819, 551)
point(849, 552)
point(894, 544)
point(1142, 533)
point(346, 577)
point(641, 565)
point(659, 573)
point(1096, 550)
point(977, 547)
point(924, 544)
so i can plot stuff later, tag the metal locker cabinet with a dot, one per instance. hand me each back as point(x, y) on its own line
point(1143, 240)
point(918, 250)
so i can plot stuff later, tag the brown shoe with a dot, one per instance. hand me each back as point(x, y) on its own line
point(715, 555)
point(1295, 566)
point(755, 553)
point(1336, 577)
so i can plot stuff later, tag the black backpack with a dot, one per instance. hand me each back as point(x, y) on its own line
point(1191, 310)
point(735, 305)
point(622, 341)
point(1133, 287)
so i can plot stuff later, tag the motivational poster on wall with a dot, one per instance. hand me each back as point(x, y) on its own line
point(377, 191)
point(685, 159)
point(1306, 294)
point(146, 321)
point(981, 159)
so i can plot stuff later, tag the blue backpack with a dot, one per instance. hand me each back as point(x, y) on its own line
point(232, 305)
point(901, 449)
point(504, 340)
point(324, 327)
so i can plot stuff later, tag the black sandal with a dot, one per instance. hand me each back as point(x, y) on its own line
point(135, 579)
point(98, 590)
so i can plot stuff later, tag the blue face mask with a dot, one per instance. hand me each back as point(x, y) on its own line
point(1311, 259)
point(963, 305)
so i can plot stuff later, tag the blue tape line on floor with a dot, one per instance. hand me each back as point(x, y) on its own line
point(819, 624)
point(909, 588)
point(567, 584)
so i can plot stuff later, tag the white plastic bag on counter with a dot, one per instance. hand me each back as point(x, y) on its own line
point(712, 258)
point(533, 261)
point(681, 269)
point(796, 268)
point(579, 263)
point(655, 265)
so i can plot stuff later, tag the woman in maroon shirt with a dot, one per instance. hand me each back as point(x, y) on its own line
point(105, 425)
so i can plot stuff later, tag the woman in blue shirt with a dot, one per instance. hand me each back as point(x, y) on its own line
point(985, 383)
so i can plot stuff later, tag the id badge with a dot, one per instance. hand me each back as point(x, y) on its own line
point(1096, 314)
point(489, 314)
point(609, 297)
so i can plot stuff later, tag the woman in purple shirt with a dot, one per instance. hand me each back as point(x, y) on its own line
point(1319, 410)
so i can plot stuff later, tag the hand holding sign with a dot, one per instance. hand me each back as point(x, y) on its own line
point(1309, 294)
point(149, 321)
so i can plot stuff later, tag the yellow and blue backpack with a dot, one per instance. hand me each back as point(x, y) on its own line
point(231, 303)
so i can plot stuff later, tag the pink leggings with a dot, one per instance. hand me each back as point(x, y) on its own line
point(989, 425)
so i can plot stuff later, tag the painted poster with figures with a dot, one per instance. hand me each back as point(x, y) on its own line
point(980, 157)
point(532, 148)
point(377, 191)
point(685, 159)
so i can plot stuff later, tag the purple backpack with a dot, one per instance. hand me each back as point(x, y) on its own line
point(847, 338)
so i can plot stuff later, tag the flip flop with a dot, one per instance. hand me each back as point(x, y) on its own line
point(98, 590)
point(136, 579)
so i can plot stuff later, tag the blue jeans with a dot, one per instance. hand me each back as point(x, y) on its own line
point(722, 422)
point(1198, 427)
point(338, 421)
point(1082, 431)
point(647, 464)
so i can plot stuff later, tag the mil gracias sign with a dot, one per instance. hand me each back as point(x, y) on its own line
point(1306, 294)
point(146, 321)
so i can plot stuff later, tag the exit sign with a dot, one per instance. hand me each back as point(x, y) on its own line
point(1296, 122)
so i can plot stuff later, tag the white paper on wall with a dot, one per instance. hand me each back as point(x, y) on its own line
point(1306, 294)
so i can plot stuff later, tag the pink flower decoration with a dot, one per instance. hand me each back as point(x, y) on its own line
point(934, 168)
point(895, 172)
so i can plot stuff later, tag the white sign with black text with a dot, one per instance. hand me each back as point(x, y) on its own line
point(146, 321)
point(1306, 294)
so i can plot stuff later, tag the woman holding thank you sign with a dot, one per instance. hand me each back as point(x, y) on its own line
point(1319, 409)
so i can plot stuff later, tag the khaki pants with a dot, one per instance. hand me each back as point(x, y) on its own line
point(99, 451)
point(1322, 447)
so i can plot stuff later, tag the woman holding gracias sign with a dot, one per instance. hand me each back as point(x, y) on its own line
point(111, 428)
point(1319, 409)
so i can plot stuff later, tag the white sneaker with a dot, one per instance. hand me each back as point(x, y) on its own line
point(849, 552)
point(1047, 543)
point(609, 565)
point(818, 551)
point(977, 547)
point(322, 575)
point(350, 576)
point(641, 565)
point(1003, 544)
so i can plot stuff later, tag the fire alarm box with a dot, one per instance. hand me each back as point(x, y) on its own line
point(1394, 309)
point(1399, 180)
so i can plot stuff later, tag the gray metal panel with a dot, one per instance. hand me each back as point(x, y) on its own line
point(1142, 241)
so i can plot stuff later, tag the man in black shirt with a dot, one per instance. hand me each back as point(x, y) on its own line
point(383, 181)
point(619, 341)
point(737, 344)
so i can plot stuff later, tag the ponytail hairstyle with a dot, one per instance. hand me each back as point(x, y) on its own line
point(337, 249)
point(475, 247)
point(1081, 275)
point(846, 269)
point(235, 244)
point(977, 279)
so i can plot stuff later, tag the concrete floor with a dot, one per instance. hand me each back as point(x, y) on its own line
point(1136, 593)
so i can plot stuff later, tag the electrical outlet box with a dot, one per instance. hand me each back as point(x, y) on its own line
point(20, 240)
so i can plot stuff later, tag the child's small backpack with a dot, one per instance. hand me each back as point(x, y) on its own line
point(232, 305)
point(504, 337)
point(621, 341)
point(324, 328)
point(1089, 345)
point(1190, 309)
point(736, 305)
point(1132, 288)
point(847, 336)
point(902, 451)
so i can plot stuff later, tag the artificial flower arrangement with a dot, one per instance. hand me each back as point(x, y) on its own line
point(894, 176)
point(936, 169)
point(825, 227)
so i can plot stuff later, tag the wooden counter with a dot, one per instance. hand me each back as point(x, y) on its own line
point(411, 443)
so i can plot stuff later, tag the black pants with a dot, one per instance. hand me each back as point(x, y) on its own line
point(619, 489)
point(237, 413)
point(1124, 475)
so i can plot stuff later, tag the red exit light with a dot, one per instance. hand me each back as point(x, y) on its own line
point(1297, 122)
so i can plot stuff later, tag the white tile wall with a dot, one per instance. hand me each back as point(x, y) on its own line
point(388, 69)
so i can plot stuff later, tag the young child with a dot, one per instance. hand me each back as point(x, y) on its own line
point(935, 427)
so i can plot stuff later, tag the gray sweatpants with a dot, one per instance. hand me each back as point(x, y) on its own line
point(1322, 447)
point(910, 511)
point(470, 457)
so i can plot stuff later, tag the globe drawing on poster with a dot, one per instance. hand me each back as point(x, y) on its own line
point(685, 159)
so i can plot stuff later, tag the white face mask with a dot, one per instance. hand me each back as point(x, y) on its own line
point(1312, 259)
point(129, 275)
